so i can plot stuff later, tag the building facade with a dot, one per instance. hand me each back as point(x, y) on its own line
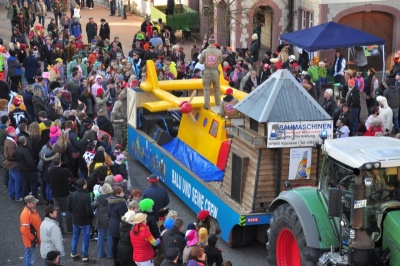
point(270, 18)
point(235, 21)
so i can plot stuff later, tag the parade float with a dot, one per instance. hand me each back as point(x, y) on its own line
point(232, 167)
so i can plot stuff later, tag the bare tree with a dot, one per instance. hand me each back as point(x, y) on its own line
point(223, 16)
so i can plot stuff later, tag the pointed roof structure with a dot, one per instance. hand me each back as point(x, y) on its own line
point(281, 98)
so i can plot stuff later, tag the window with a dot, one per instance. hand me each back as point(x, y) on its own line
point(253, 125)
point(214, 128)
point(310, 19)
point(306, 19)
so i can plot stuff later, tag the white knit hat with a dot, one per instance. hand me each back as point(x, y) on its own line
point(129, 217)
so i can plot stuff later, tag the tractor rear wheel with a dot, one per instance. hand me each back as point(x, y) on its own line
point(286, 241)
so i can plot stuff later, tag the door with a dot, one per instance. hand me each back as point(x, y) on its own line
point(262, 25)
point(379, 24)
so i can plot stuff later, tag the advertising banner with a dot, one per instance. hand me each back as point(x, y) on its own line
point(300, 163)
point(371, 50)
point(297, 134)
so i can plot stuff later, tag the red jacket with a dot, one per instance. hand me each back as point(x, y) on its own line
point(143, 243)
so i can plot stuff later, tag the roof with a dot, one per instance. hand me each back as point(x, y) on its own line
point(356, 151)
point(330, 35)
point(281, 98)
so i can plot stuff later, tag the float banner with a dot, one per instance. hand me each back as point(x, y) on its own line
point(297, 134)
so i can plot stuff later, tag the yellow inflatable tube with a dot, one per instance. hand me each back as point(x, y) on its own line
point(167, 100)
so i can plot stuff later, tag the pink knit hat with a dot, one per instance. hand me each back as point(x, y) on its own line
point(191, 236)
point(118, 178)
point(54, 131)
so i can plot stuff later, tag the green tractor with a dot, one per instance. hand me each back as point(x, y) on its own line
point(351, 218)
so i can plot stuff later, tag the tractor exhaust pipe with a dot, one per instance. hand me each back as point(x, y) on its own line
point(361, 246)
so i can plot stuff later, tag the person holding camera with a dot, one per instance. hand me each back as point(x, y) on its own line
point(30, 229)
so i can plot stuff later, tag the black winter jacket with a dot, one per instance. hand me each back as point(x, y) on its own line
point(80, 207)
point(329, 105)
point(25, 159)
point(116, 209)
point(101, 220)
point(152, 224)
point(125, 249)
point(173, 238)
point(213, 254)
point(105, 124)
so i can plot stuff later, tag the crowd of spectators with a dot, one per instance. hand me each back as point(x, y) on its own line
point(63, 134)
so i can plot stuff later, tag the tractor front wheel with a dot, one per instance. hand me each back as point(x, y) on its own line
point(286, 242)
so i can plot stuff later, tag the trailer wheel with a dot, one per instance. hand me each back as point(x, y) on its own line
point(286, 241)
point(241, 236)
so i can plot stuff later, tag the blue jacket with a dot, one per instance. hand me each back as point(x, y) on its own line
point(75, 29)
point(13, 67)
point(32, 66)
point(159, 195)
point(28, 102)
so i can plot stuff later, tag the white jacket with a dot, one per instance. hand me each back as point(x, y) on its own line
point(51, 237)
point(386, 114)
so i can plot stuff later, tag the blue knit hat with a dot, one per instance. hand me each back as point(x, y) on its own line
point(168, 223)
point(191, 226)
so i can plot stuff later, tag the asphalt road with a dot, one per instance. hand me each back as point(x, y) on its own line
point(12, 250)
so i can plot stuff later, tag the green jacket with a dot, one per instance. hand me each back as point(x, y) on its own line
point(10, 10)
point(313, 72)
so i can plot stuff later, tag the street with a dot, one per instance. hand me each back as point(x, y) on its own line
point(12, 249)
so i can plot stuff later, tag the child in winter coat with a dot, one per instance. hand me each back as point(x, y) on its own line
point(119, 167)
point(120, 182)
point(322, 72)
point(77, 13)
point(117, 150)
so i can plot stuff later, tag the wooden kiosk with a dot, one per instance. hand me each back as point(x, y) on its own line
point(280, 120)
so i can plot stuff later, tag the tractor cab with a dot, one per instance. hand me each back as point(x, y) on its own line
point(360, 185)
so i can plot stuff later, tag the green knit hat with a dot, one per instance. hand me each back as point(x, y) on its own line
point(146, 204)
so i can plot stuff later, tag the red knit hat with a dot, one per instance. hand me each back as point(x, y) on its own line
point(203, 215)
point(10, 129)
point(17, 101)
point(99, 92)
point(229, 91)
